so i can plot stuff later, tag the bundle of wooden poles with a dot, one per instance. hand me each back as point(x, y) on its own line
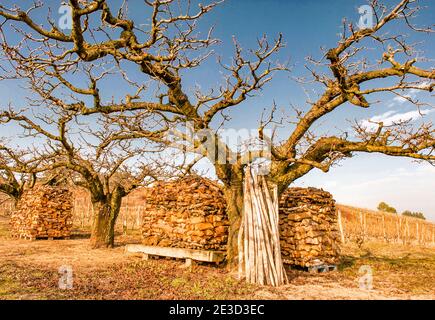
point(260, 259)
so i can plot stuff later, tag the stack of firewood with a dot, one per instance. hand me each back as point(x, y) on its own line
point(187, 213)
point(43, 212)
point(190, 213)
point(308, 227)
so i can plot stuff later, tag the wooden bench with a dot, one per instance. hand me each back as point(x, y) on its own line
point(322, 268)
point(189, 254)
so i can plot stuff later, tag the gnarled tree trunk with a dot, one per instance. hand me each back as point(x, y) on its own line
point(234, 199)
point(106, 212)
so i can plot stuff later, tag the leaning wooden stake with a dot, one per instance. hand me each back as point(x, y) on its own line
point(260, 259)
point(340, 226)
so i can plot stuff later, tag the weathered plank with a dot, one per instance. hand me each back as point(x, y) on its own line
point(183, 253)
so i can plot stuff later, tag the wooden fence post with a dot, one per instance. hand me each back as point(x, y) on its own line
point(340, 226)
point(83, 216)
point(398, 228)
point(423, 234)
point(90, 213)
point(126, 209)
point(138, 216)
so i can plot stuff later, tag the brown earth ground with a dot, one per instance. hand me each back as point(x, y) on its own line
point(30, 270)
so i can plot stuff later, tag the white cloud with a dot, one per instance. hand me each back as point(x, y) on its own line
point(331, 183)
point(400, 99)
point(392, 117)
point(411, 94)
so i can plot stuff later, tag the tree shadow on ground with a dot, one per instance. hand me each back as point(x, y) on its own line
point(80, 234)
point(346, 262)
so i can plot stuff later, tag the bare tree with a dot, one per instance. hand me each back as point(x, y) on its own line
point(168, 46)
point(109, 170)
point(13, 183)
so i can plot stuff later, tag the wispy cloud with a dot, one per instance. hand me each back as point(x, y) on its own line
point(410, 94)
point(392, 117)
point(399, 100)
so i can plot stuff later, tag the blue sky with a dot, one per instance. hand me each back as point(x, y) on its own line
point(363, 180)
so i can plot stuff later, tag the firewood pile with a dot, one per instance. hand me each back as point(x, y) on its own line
point(188, 213)
point(308, 227)
point(43, 212)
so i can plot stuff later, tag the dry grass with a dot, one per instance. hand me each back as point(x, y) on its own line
point(29, 270)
